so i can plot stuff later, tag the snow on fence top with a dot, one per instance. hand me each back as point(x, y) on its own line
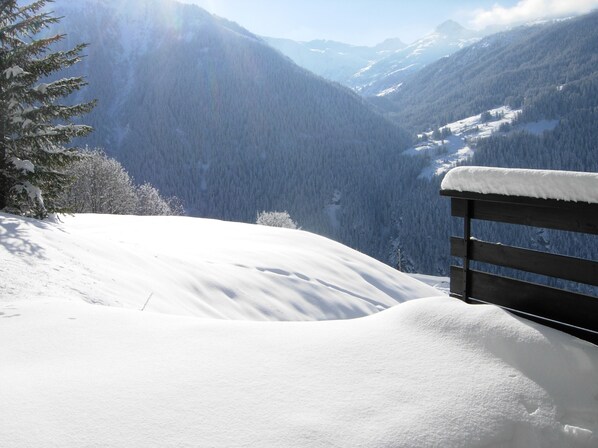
point(542, 184)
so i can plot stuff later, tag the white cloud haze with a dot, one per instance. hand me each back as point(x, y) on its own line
point(528, 10)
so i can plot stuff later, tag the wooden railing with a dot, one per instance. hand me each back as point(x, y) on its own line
point(565, 310)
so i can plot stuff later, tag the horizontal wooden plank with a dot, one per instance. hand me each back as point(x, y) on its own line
point(545, 302)
point(579, 218)
point(558, 266)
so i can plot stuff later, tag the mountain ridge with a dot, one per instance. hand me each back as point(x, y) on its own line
point(380, 69)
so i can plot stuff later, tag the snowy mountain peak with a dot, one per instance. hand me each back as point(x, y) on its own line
point(387, 74)
point(393, 43)
point(450, 28)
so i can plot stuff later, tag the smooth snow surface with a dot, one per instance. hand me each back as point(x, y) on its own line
point(543, 184)
point(430, 372)
point(427, 372)
point(440, 283)
point(196, 267)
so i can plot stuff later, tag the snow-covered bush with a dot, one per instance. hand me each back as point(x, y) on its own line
point(102, 185)
point(149, 201)
point(275, 219)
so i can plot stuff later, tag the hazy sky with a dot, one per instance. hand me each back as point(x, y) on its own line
point(371, 21)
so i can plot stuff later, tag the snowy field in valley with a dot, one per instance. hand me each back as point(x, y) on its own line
point(446, 153)
point(200, 367)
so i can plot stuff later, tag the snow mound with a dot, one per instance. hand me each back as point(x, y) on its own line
point(542, 184)
point(429, 372)
point(196, 267)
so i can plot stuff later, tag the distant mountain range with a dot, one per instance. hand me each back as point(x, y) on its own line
point(378, 70)
point(508, 68)
point(332, 60)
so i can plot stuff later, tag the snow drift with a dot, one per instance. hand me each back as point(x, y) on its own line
point(428, 372)
point(197, 267)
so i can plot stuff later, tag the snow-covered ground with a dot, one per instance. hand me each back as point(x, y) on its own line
point(448, 152)
point(427, 372)
point(440, 283)
point(195, 267)
point(537, 127)
point(390, 90)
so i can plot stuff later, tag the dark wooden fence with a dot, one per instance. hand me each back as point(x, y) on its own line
point(568, 311)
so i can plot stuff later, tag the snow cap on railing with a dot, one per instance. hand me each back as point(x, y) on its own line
point(542, 184)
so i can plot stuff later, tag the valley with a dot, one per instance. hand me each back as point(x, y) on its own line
point(209, 112)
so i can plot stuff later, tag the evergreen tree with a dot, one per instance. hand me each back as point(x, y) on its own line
point(34, 127)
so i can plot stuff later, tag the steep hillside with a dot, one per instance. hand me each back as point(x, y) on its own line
point(206, 111)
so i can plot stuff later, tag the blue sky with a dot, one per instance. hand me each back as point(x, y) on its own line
point(371, 21)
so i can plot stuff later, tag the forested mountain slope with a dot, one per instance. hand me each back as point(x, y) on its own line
point(550, 73)
point(206, 111)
